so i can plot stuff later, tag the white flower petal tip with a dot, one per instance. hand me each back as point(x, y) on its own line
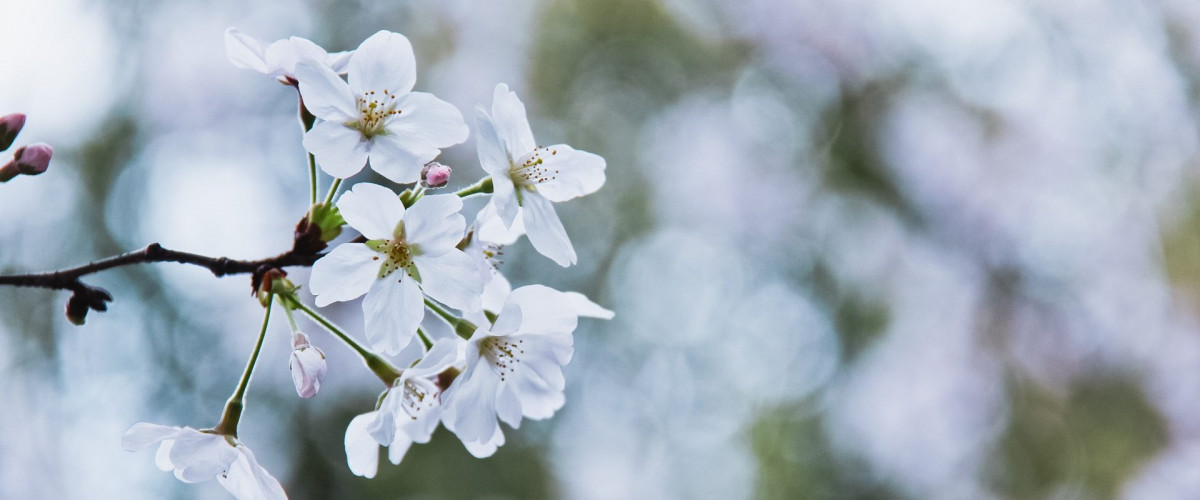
point(197, 456)
point(584, 307)
point(307, 365)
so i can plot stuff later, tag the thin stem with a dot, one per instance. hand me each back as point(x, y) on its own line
point(332, 190)
point(312, 182)
point(440, 311)
point(462, 327)
point(424, 338)
point(233, 407)
point(384, 370)
point(291, 320)
point(484, 186)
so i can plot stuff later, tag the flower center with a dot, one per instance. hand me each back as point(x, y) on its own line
point(418, 394)
point(396, 255)
point(502, 354)
point(373, 110)
point(531, 170)
point(493, 254)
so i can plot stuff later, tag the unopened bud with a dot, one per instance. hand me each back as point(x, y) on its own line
point(307, 366)
point(435, 175)
point(27, 160)
point(10, 126)
point(34, 158)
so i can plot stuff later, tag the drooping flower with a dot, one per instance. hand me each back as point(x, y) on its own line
point(513, 369)
point(307, 365)
point(527, 178)
point(203, 455)
point(408, 413)
point(279, 59)
point(376, 116)
point(408, 252)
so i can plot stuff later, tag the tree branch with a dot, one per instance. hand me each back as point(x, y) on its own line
point(305, 250)
point(68, 279)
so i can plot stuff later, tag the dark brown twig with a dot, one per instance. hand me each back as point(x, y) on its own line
point(305, 250)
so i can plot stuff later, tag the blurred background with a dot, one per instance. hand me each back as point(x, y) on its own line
point(856, 249)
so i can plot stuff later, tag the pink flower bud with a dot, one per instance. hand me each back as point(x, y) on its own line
point(34, 158)
point(27, 160)
point(307, 366)
point(435, 175)
point(10, 126)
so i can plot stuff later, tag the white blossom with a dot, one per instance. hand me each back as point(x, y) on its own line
point(203, 455)
point(279, 59)
point(408, 413)
point(527, 178)
point(409, 252)
point(375, 115)
point(513, 369)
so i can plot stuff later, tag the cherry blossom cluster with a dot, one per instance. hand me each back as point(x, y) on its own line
point(414, 259)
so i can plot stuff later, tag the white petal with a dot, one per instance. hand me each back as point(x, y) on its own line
point(339, 61)
point(385, 61)
point(586, 308)
point(491, 228)
point(200, 456)
point(371, 209)
point(576, 173)
point(544, 357)
point(486, 448)
point(440, 356)
point(507, 407)
point(283, 55)
point(546, 311)
point(143, 434)
point(504, 198)
point(508, 321)
point(399, 448)
point(325, 94)
point(344, 274)
point(495, 293)
point(493, 156)
point(428, 121)
point(538, 400)
point(511, 122)
point(472, 410)
point(434, 223)
point(545, 231)
point(397, 160)
point(421, 429)
point(362, 452)
point(162, 458)
point(341, 151)
point(450, 278)
point(246, 480)
point(393, 309)
point(244, 51)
